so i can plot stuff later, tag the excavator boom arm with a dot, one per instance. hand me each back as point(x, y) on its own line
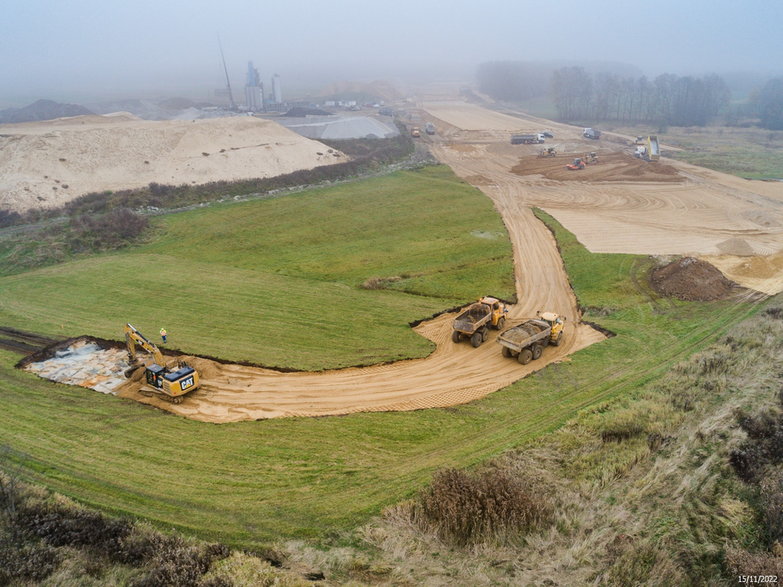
point(133, 337)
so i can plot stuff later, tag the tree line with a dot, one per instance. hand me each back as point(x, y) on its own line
point(666, 100)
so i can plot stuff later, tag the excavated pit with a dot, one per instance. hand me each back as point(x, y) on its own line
point(84, 361)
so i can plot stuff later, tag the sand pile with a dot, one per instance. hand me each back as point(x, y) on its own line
point(764, 274)
point(692, 280)
point(610, 167)
point(45, 164)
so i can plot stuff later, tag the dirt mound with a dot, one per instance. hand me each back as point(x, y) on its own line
point(46, 164)
point(691, 280)
point(736, 246)
point(610, 167)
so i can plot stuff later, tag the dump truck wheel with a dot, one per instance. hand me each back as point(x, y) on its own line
point(537, 350)
point(507, 352)
point(476, 340)
point(556, 342)
point(455, 336)
point(525, 356)
point(501, 323)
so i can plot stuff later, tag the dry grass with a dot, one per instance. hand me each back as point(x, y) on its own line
point(645, 493)
point(48, 538)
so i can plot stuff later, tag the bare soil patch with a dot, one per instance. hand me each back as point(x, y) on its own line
point(691, 279)
point(462, 148)
point(610, 167)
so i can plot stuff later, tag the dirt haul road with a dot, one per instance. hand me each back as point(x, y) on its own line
point(453, 374)
point(621, 204)
point(618, 205)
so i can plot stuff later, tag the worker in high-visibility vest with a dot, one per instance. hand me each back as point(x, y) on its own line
point(163, 334)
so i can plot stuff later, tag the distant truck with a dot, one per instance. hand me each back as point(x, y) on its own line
point(531, 139)
point(526, 341)
point(416, 132)
point(474, 322)
point(429, 128)
point(591, 133)
point(649, 150)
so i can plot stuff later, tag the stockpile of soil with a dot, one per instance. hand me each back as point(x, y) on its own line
point(691, 280)
point(46, 164)
point(610, 167)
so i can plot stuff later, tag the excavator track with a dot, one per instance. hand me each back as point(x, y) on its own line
point(152, 392)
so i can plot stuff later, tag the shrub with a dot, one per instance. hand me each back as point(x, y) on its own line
point(772, 505)
point(31, 562)
point(60, 525)
point(466, 509)
point(111, 230)
point(774, 312)
point(743, 562)
point(9, 218)
point(763, 447)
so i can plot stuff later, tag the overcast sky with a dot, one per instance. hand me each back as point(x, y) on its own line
point(73, 49)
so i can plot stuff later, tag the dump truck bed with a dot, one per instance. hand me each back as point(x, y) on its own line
point(473, 318)
point(524, 335)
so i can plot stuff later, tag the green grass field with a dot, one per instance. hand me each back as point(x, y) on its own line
point(254, 482)
point(278, 282)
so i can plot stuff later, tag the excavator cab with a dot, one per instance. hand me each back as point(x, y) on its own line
point(154, 374)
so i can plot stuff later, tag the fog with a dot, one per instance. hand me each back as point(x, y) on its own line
point(91, 49)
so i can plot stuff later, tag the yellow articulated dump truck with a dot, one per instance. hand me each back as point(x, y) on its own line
point(474, 322)
point(526, 341)
point(170, 383)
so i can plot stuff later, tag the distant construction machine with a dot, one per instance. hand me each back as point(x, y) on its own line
point(528, 139)
point(161, 380)
point(591, 133)
point(648, 149)
point(653, 148)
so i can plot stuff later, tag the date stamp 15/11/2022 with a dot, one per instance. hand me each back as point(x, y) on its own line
point(758, 579)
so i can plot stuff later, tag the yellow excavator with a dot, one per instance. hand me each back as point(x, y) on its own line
point(171, 385)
